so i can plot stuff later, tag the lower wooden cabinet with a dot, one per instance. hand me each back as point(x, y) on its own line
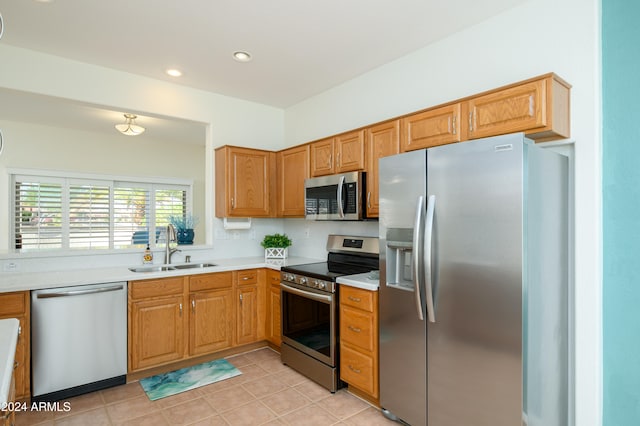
point(176, 318)
point(17, 305)
point(359, 339)
point(157, 322)
point(274, 313)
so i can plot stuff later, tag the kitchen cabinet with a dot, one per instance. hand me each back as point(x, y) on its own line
point(437, 126)
point(274, 314)
point(17, 305)
point(248, 299)
point(538, 107)
point(340, 154)
point(211, 319)
point(382, 140)
point(157, 321)
point(245, 182)
point(359, 361)
point(293, 169)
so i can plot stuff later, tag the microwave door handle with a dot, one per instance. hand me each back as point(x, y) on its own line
point(340, 207)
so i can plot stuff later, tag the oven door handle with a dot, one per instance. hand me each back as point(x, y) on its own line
point(308, 295)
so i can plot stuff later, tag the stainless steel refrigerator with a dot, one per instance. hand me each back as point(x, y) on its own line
point(474, 284)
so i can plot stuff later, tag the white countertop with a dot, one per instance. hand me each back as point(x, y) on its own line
point(366, 281)
point(20, 281)
point(8, 342)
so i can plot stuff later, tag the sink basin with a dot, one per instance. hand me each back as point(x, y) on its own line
point(194, 265)
point(152, 268)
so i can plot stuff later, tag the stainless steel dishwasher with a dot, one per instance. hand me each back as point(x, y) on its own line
point(78, 339)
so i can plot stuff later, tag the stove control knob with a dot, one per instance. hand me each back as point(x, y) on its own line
point(322, 286)
point(303, 280)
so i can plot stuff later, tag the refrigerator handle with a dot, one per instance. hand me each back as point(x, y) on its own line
point(417, 259)
point(339, 195)
point(428, 247)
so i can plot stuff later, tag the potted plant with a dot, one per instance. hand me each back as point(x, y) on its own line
point(184, 228)
point(275, 246)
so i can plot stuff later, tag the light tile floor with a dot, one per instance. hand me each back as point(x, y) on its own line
point(267, 393)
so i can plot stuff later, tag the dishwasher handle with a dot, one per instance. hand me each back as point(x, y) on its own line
point(80, 292)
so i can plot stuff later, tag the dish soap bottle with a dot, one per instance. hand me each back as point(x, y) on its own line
point(147, 258)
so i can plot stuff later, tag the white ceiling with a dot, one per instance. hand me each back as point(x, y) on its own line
point(300, 47)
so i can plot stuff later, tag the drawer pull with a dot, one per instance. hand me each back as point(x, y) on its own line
point(355, 299)
point(16, 364)
point(355, 329)
point(355, 370)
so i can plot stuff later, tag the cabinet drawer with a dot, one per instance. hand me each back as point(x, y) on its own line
point(155, 288)
point(273, 277)
point(358, 298)
point(210, 281)
point(357, 328)
point(13, 303)
point(357, 370)
point(247, 277)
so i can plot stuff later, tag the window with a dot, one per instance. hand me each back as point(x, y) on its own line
point(54, 212)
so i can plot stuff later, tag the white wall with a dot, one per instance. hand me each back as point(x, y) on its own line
point(532, 39)
point(228, 120)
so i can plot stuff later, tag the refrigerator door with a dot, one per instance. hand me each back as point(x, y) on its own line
point(475, 344)
point(402, 310)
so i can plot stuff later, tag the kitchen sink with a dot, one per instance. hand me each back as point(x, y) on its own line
point(193, 265)
point(152, 268)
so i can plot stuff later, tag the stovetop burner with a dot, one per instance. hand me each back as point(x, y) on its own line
point(347, 256)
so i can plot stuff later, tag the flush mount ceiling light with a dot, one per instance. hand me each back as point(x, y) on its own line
point(130, 128)
point(1, 25)
point(174, 72)
point(242, 56)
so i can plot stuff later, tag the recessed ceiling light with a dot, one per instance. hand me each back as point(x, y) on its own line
point(44, 1)
point(174, 72)
point(242, 56)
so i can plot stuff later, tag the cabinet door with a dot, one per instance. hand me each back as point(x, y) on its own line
point(382, 140)
point(322, 158)
point(274, 322)
point(293, 169)
point(243, 182)
point(434, 127)
point(156, 332)
point(509, 110)
point(16, 305)
point(247, 314)
point(211, 321)
point(349, 152)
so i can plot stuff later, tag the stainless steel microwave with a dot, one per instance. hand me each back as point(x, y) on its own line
point(335, 197)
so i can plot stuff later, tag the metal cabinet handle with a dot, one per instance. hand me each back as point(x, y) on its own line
point(354, 299)
point(471, 121)
point(79, 292)
point(354, 329)
point(240, 298)
point(369, 199)
point(193, 305)
point(16, 364)
point(355, 370)
point(181, 309)
point(246, 278)
point(233, 204)
point(453, 131)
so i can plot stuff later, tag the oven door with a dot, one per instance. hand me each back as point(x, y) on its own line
point(309, 321)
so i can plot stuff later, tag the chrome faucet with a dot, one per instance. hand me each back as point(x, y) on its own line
point(171, 237)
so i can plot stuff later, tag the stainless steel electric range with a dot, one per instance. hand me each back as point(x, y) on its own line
point(309, 296)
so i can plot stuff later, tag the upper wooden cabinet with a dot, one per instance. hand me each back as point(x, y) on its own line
point(244, 180)
point(340, 154)
point(434, 127)
point(538, 107)
point(293, 169)
point(382, 141)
